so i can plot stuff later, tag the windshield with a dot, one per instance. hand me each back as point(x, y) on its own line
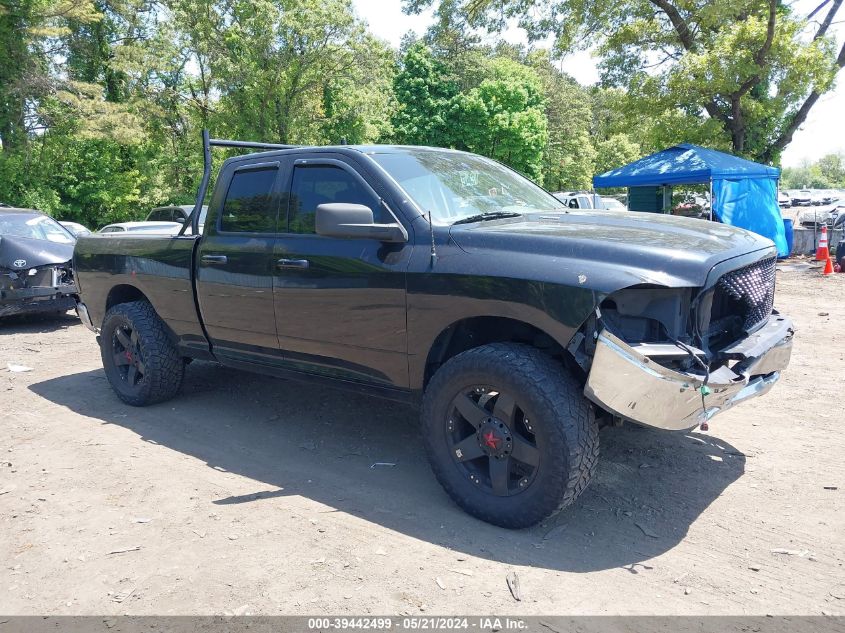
point(34, 227)
point(454, 185)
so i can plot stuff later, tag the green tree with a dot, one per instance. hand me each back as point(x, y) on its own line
point(832, 169)
point(277, 60)
point(825, 173)
point(616, 151)
point(27, 27)
point(358, 106)
point(742, 70)
point(424, 97)
point(569, 156)
point(504, 118)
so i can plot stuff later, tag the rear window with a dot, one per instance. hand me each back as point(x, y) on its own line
point(250, 204)
point(161, 215)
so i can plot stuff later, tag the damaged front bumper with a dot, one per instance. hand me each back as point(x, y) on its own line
point(636, 388)
point(38, 299)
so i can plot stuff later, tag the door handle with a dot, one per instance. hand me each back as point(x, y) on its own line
point(292, 263)
point(214, 259)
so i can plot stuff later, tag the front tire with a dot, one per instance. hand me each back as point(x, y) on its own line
point(509, 434)
point(141, 363)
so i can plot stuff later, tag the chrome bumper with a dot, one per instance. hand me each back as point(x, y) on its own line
point(634, 387)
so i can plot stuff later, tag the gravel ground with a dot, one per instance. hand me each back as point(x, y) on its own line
point(253, 495)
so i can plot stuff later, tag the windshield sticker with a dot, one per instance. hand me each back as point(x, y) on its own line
point(469, 178)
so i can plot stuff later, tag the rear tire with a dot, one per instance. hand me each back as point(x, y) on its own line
point(509, 408)
point(141, 363)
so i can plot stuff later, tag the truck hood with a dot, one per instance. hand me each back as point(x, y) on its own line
point(23, 253)
point(607, 250)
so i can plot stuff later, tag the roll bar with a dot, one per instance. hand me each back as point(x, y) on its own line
point(207, 144)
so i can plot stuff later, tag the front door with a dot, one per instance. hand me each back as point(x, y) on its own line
point(235, 263)
point(340, 303)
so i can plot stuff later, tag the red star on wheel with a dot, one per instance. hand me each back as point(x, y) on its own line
point(490, 440)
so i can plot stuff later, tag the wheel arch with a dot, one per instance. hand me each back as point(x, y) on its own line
point(475, 331)
point(124, 293)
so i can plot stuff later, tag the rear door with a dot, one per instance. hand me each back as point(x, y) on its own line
point(340, 303)
point(235, 263)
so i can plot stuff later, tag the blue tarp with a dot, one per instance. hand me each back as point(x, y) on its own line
point(683, 164)
point(744, 192)
point(751, 204)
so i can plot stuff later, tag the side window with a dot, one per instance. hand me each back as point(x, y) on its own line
point(573, 203)
point(160, 215)
point(250, 205)
point(314, 185)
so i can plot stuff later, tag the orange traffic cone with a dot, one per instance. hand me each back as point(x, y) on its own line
point(822, 253)
point(828, 267)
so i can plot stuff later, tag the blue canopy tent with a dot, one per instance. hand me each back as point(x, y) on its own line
point(743, 193)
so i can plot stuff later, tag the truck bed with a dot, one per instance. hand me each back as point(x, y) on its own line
point(113, 269)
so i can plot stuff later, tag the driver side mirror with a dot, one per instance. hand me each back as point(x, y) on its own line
point(355, 221)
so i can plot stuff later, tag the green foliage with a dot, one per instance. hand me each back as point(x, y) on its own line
point(826, 173)
point(114, 129)
point(569, 160)
point(735, 74)
point(616, 151)
point(279, 65)
point(424, 98)
point(504, 118)
point(101, 101)
point(92, 181)
point(832, 169)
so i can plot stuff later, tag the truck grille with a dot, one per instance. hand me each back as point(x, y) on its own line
point(749, 290)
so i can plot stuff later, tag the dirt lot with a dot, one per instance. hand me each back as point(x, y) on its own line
point(253, 495)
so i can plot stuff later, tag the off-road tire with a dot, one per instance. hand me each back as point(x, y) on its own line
point(164, 367)
point(562, 417)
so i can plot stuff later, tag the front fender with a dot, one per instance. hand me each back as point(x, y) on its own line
point(438, 301)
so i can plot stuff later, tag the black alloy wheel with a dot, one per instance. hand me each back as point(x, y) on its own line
point(141, 361)
point(509, 433)
point(127, 355)
point(492, 440)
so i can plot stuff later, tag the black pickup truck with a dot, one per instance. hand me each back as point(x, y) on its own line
point(445, 279)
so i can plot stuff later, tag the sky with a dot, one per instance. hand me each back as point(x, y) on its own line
point(822, 133)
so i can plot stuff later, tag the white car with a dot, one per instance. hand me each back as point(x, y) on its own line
point(802, 198)
point(612, 204)
point(784, 199)
point(76, 228)
point(177, 213)
point(579, 199)
point(141, 228)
